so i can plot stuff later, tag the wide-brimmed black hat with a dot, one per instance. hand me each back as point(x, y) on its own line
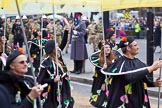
point(49, 46)
point(11, 57)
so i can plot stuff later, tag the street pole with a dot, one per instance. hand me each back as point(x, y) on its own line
point(150, 52)
point(106, 21)
point(159, 94)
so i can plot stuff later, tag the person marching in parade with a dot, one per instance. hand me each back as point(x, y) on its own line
point(78, 45)
point(129, 81)
point(111, 37)
point(5, 50)
point(99, 91)
point(54, 72)
point(35, 47)
point(18, 87)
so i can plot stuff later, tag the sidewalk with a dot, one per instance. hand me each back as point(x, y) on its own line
point(86, 77)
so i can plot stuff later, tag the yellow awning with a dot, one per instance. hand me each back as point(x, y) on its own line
point(45, 6)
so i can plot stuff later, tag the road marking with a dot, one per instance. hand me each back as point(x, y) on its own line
point(154, 98)
point(88, 85)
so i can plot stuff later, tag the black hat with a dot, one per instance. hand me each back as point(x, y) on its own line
point(110, 33)
point(125, 41)
point(35, 33)
point(102, 43)
point(11, 57)
point(100, 18)
point(49, 46)
point(1, 33)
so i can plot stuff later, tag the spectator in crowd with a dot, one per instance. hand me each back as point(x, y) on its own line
point(78, 44)
point(157, 37)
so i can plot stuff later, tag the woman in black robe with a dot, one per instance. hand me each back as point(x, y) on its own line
point(99, 91)
point(58, 92)
point(35, 49)
point(128, 88)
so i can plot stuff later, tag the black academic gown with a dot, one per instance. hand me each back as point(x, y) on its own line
point(129, 90)
point(12, 84)
point(99, 91)
point(35, 51)
point(50, 94)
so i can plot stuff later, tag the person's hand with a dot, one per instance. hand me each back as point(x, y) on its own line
point(32, 60)
point(155, 66)
point(75, 32)
point(35, 92)
point(158, 82)
point(4, 55)
point(40, 47)
point(105, 66)
point(67, 25)
point(57, 78)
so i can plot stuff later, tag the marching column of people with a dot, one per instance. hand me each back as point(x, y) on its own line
point(18, 86)
point(119, 82)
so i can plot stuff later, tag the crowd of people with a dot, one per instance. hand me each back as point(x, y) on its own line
point(120, 79)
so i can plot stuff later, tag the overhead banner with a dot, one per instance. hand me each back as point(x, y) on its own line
point(65, 6)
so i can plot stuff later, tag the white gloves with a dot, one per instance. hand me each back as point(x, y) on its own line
point(74, 32)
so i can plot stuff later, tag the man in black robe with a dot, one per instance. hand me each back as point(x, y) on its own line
point(128, 81)
point(18, 87)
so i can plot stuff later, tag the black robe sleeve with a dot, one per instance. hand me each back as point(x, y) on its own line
point(64, 40)
point(149, 82)
point(4, 97)
point(34, 48)
point(43, 77)
point(26, 104)
point(133, 77)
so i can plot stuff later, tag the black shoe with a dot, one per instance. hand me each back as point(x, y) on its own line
point(78, 72)
point(72, 71)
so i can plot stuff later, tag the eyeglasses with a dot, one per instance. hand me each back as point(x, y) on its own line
point(21, 62)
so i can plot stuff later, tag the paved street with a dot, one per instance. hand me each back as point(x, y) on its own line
point(81, 95)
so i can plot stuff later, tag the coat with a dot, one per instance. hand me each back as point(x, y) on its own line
point(78, 45)
point(14, 84)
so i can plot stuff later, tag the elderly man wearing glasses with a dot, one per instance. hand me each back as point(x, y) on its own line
point(19, 86)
